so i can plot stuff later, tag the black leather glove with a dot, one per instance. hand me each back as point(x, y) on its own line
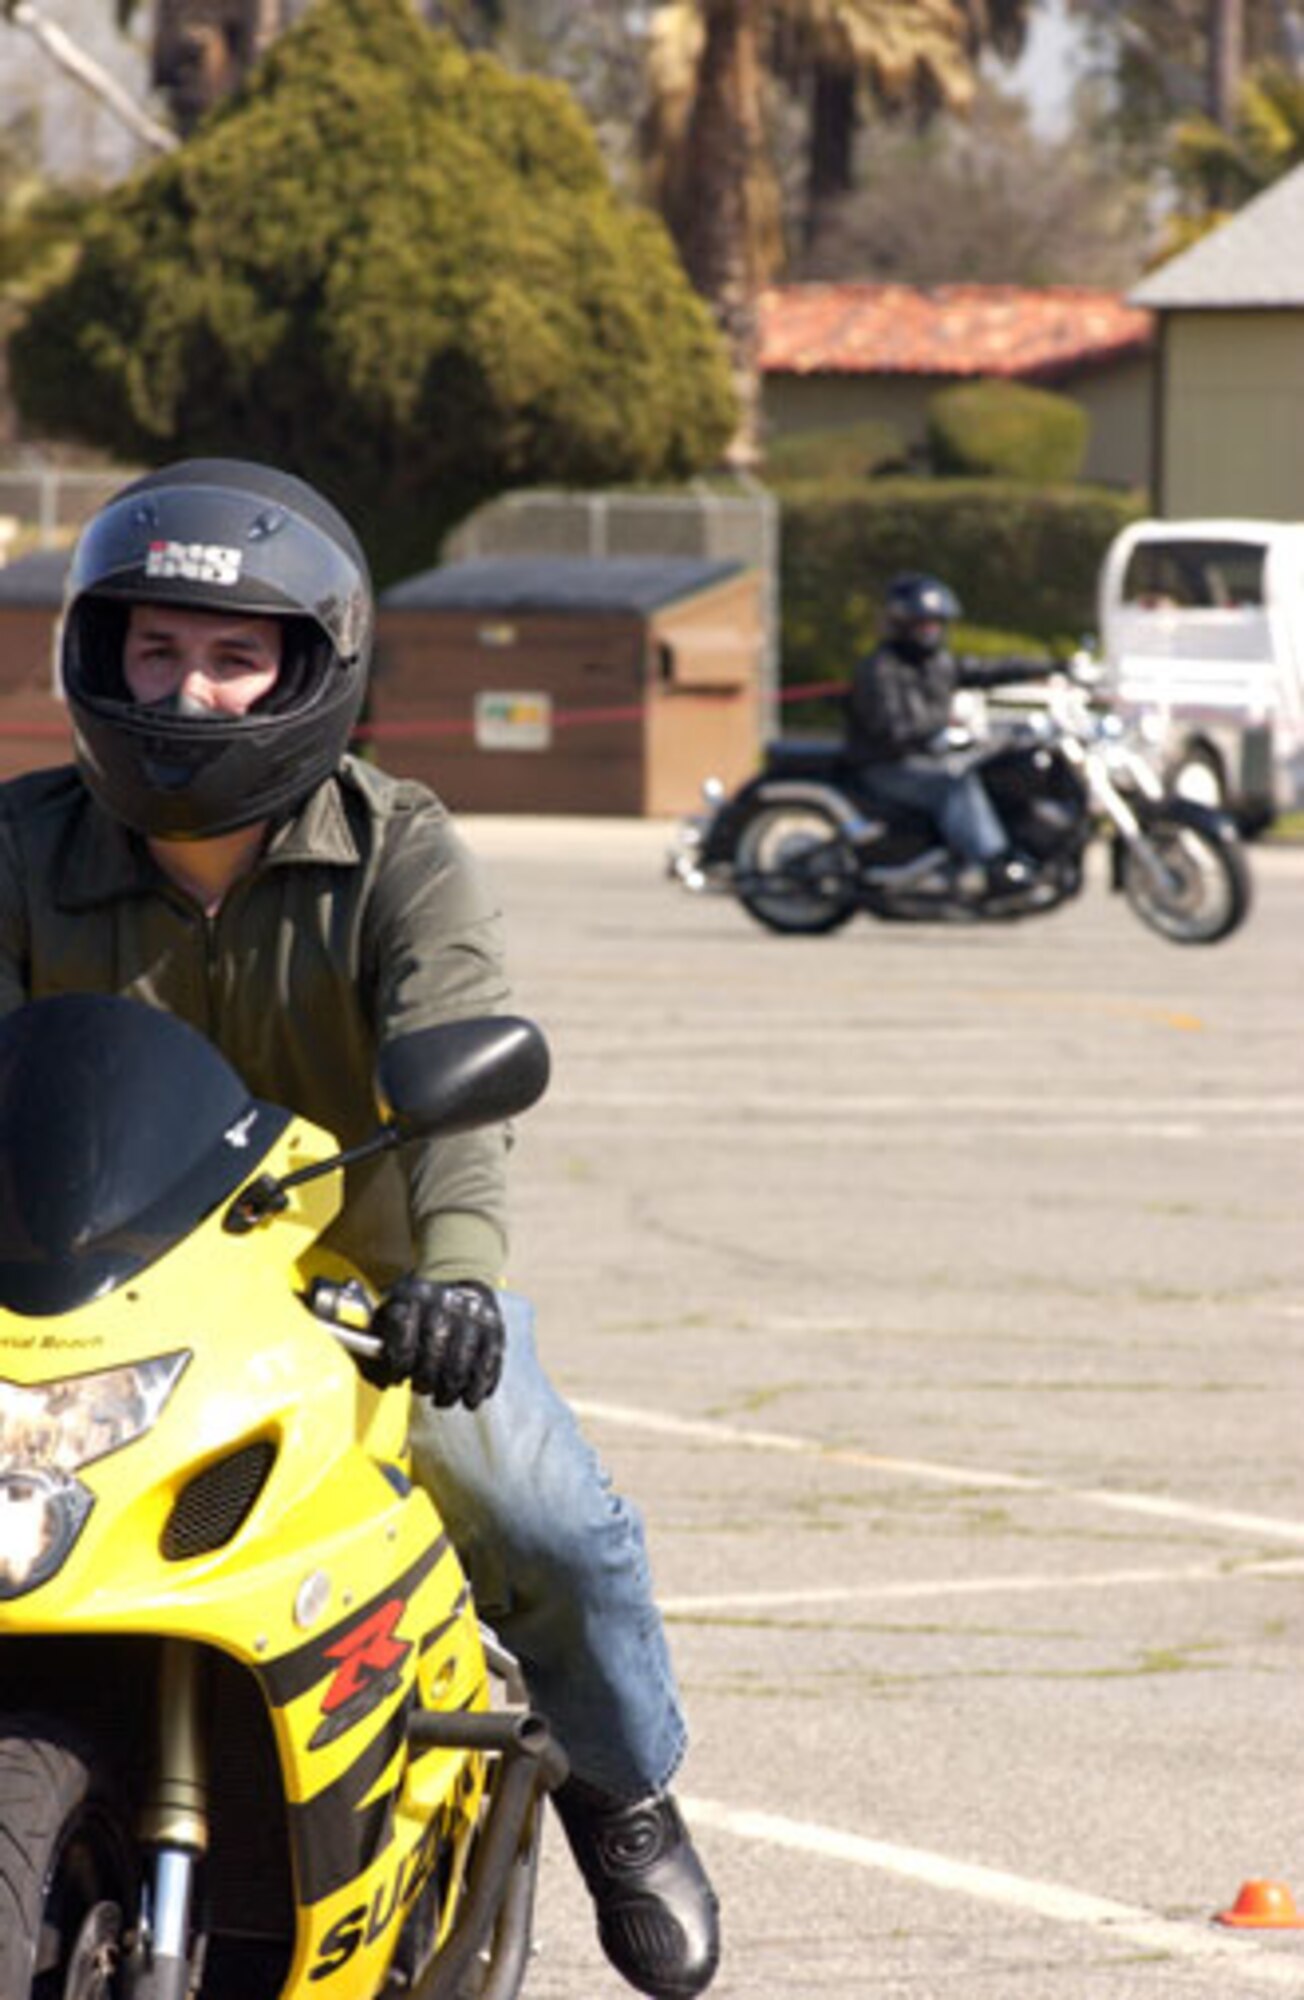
point(446, 1339)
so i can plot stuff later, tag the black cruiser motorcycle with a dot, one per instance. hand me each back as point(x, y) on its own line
point(804, 848)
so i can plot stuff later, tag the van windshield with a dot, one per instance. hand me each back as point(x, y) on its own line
point(1195, 576)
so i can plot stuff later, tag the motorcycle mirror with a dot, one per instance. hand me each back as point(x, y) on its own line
point(461, 1074)
point(431, 1083)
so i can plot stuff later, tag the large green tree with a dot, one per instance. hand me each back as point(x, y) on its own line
point(394, 268)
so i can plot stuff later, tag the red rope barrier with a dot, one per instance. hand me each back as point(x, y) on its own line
point(418, 727)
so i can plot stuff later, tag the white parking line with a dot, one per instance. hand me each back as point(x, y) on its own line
point(1269, 1527)
point(975, 1586)
point(1123, 1922)
point(1033, 1108)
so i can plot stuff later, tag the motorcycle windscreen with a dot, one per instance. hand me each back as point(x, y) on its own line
point(120, 1130)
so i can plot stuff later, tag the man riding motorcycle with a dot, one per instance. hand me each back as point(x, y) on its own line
point(217, 853)
point(898, 711)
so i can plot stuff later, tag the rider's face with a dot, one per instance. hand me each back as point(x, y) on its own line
point(219, 662)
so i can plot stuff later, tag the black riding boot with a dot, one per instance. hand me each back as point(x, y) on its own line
point(657, 1912)
point(1008, 874)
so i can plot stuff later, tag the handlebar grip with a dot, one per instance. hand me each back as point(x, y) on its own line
point(347, 1307)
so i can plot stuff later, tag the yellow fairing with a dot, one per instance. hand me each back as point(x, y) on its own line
point(338, 1590)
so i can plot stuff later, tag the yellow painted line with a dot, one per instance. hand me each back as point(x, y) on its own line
point(1094, 1004)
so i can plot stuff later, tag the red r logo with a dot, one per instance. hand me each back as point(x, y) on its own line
point(369, 1649)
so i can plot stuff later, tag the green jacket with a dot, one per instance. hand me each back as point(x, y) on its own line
point(365, 917)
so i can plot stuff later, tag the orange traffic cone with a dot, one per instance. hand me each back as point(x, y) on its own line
point(1263, 1906)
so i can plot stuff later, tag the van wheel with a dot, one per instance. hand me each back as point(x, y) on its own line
point(1197, 774)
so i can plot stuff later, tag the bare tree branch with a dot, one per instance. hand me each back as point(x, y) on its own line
point(74, 62)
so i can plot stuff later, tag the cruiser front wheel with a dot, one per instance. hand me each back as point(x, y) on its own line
point(1186, 881)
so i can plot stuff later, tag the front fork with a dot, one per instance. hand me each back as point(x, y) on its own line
point(174, 1831)
point(1130, 833)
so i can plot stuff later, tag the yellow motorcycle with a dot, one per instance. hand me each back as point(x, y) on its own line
point(254, 1743)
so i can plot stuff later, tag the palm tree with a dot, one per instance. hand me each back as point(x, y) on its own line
point(711, 170)
point(1216, 171)
point(919, 60)
point(203, 49)
point(1164, 58)
point(719, 193)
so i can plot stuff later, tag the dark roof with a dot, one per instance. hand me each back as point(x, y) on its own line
point(562, 583)
point(36, 579)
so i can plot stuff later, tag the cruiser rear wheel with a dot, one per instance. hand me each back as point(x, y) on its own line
point(794, 871)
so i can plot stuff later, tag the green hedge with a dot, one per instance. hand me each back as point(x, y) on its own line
point(852, 451)
point(1006, 430)
point(1021, 559)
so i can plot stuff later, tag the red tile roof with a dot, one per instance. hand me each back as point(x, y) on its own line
point(868, 329)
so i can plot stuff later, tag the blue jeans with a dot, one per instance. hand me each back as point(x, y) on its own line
point(951, 791)
point(559, 1567)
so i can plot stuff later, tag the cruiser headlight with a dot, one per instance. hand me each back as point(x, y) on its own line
point(48, 1431)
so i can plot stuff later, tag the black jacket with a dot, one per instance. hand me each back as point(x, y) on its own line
point(900, 699)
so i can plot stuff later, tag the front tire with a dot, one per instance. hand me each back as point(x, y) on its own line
point(1191, 884)
point(794, 870)
point(66, 1873)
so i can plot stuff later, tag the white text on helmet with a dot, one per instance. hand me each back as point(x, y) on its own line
point(194, 562)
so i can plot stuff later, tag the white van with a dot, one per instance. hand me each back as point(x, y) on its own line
point(1202, 631)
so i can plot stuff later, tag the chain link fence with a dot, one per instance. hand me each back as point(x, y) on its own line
point(44, 507)
point(740, 526)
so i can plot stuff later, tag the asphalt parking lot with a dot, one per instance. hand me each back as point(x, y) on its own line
point(940, 1298)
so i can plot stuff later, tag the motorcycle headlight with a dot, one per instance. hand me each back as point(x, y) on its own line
point(48, 1431)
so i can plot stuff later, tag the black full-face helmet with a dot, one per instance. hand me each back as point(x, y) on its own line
point(216, 534)
point(917, 611)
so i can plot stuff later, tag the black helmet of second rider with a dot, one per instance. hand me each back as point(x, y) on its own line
point(918, 611)
point(223, 536)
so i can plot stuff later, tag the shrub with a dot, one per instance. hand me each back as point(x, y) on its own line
point(1006, 430)
point(853, 451)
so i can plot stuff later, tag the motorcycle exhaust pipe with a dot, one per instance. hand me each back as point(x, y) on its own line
point(901, 873)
